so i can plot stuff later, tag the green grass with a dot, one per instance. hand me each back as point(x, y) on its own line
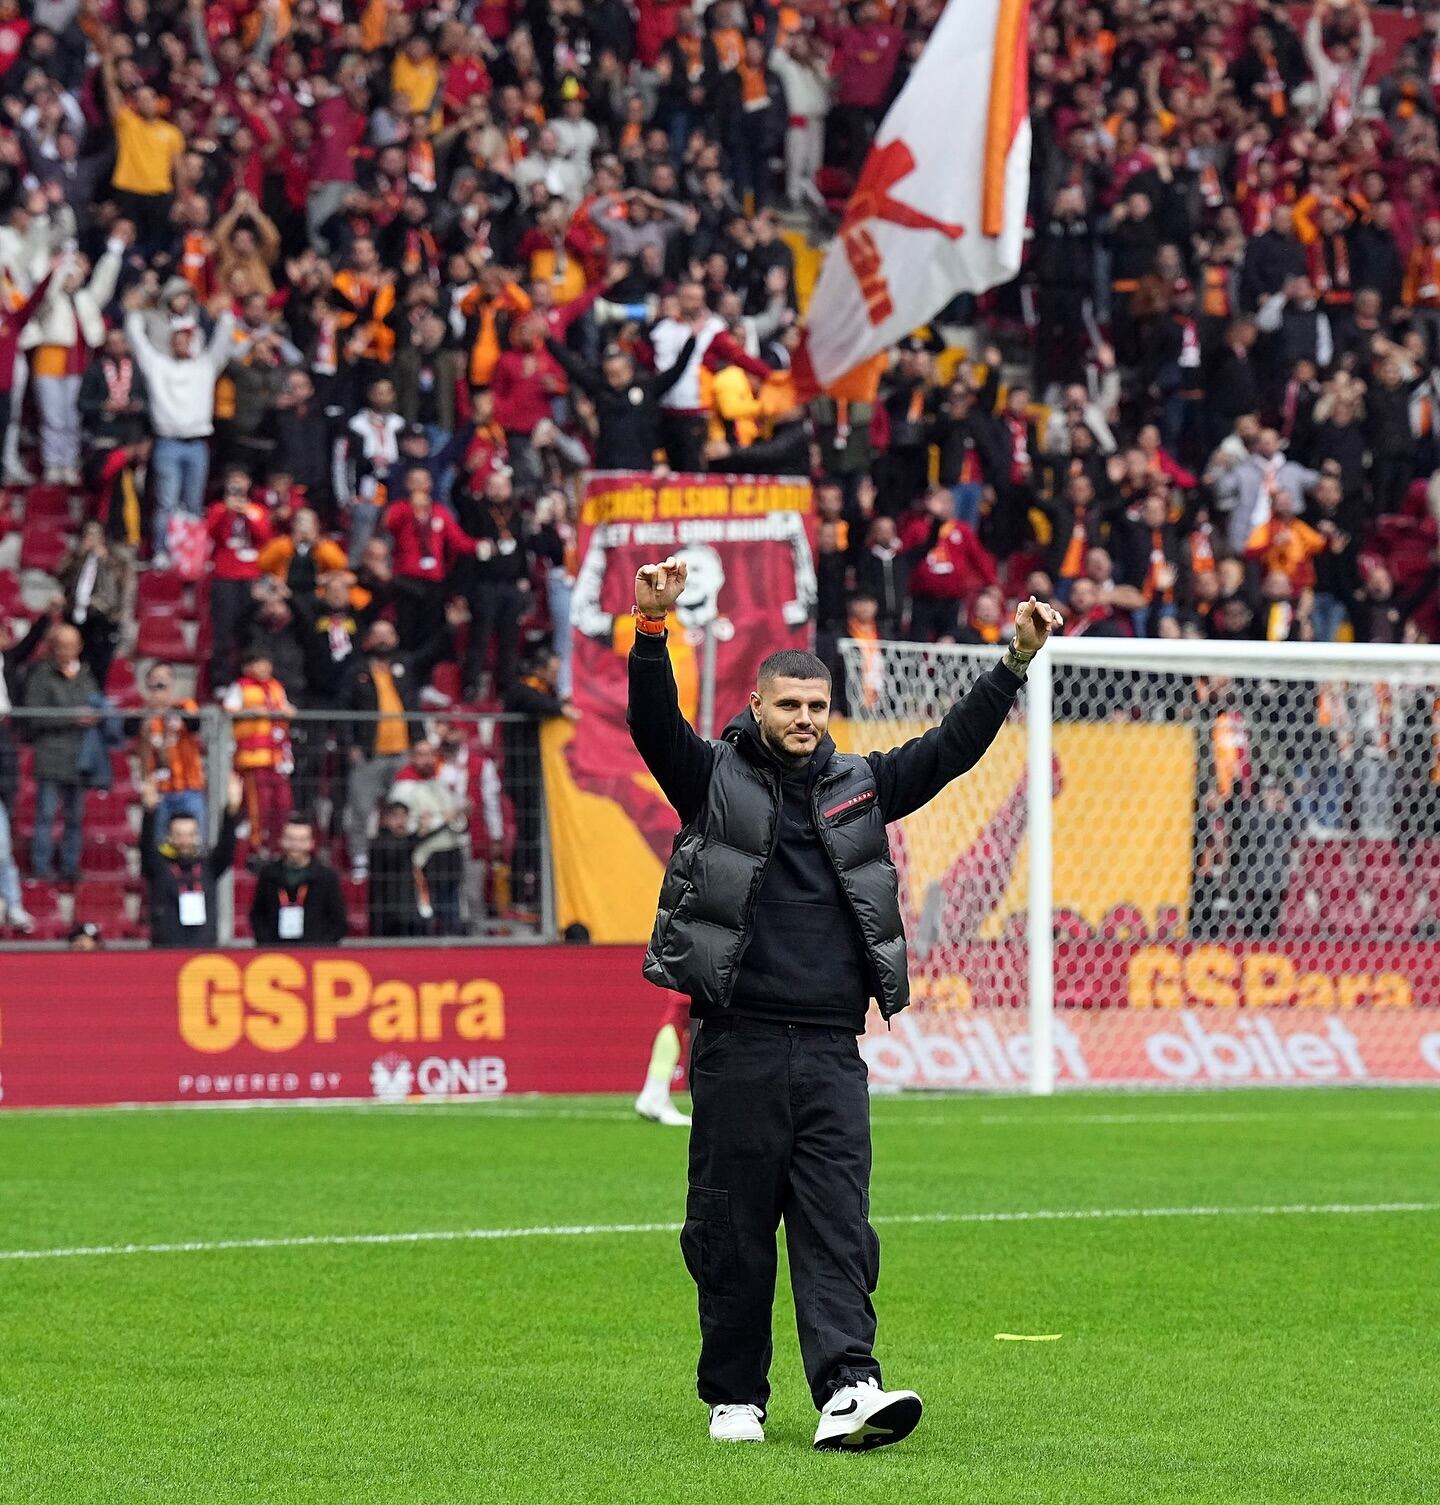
point(1211, 1358)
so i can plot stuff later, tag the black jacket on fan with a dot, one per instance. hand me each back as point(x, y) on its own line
point(629, 416)
point(314, 888)
point(780, 899)
point(393, 903)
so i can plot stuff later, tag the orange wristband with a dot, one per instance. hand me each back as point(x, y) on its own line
point(652, 627)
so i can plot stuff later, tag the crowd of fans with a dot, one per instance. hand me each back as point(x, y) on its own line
point(321, 307)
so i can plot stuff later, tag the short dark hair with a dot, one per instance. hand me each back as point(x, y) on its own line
point(792, 663)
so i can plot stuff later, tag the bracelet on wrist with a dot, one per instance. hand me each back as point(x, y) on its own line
point(653, 627)
point(1016, 660)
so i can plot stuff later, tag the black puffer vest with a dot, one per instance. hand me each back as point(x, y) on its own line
point(718, 864)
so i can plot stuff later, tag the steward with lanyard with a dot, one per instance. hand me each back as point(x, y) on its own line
point(298, 900)
point(180, 874)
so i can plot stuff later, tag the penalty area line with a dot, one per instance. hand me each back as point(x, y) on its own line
point(598, 1230)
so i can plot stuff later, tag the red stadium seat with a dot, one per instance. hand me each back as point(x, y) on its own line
point(106, 856)
point(1395, 903)
point(1423, 861)
point(12, 601)
point(122, 779)
point(51, 928)
point(43, 547)
point(164, 637)
point(42, 900)
point(107, 815)
point(120, 683)
point(47, 505)
point(102, 901)
point(446, 679)
point(159, 591)
point(1324, 897)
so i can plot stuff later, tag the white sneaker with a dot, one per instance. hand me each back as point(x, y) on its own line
point(657, 1107)
point(736, 1424)
point(860, 1417)
point(18, 475)
point(19, 920)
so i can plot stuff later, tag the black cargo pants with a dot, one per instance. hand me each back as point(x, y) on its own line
point(781, 1129)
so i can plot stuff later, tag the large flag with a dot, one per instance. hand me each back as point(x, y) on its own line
point(940, 205)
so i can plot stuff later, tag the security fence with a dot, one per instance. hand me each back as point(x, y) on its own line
point(434, 819)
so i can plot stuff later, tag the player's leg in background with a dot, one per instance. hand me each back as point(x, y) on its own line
point(654, 1100)
point(834, 1252)
point(739, 1150)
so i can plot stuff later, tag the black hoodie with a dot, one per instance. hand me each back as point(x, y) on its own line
point(801, 912)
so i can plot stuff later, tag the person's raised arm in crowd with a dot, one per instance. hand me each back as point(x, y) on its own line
point(110, 85)
point(246, 208)
point(223, 346)
point(146, 356)
point(584, 375)
point(200, 41)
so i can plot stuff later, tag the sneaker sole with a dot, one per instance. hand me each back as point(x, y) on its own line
point(891, 1423)
point(657, 1117)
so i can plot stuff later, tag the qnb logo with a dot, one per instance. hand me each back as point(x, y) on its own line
point(1250, 1050)
point(393, 1079)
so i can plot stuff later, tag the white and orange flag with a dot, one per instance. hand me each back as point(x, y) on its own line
point(940, 205)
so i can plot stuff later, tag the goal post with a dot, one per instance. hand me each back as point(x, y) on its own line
point(1180, 863)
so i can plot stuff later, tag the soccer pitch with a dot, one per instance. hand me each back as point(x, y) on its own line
point(1246, 1288)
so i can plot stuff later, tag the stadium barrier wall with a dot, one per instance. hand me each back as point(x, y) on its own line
point(264, 1026)
point(398, 1025)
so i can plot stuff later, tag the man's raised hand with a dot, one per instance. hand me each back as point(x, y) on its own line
point(659, 586)
point(1034, 622)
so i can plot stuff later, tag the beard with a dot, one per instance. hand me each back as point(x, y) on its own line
point(793, 756)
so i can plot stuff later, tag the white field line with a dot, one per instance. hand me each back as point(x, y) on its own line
point(919, 1110)
point(595, 1230)
point(887, 1119)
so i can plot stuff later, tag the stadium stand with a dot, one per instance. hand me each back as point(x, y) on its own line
point(1207, 408)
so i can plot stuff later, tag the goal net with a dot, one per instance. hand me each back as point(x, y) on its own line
point(1207, 864)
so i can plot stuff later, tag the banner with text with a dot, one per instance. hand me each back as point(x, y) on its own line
point(963, 860)
point(748, 542)
point(392, 1024)
point(402, 1025)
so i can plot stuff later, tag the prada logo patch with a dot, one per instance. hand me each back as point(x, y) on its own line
point(864, 797)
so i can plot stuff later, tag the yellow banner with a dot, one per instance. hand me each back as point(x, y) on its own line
point(606, 876)
point(1122, 818)
point(1123, 821)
